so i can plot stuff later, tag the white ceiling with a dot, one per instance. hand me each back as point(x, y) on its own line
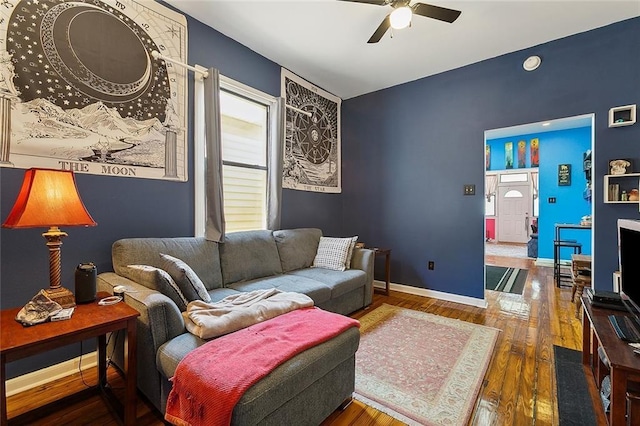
point(325, 41)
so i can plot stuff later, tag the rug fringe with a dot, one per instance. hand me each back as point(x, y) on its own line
point(386, 410)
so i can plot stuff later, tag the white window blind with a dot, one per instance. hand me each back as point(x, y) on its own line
point(245, 133)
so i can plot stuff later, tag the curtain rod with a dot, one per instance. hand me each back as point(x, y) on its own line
point(158, 55)
point(204, 73)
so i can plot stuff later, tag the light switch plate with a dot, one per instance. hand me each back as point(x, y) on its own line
point(469, 190)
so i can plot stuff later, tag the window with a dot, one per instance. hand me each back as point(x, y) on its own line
point(513, 177)
point(245, 131)
point(513, 194)
point(249, 129)
point(490, 205)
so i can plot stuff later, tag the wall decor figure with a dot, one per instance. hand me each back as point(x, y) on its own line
point(508, 155)
point(535, 152)
point(522, 154)
point(87, 94)
point(312, 150)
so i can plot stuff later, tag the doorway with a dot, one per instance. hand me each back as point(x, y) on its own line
point(509, 220)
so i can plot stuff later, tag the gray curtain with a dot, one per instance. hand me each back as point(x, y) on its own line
point(214, 228)
point(274, 173)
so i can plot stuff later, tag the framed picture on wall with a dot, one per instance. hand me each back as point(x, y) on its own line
point(508, 155)
point(522, 154)
point(535, 153)
point(564, 175)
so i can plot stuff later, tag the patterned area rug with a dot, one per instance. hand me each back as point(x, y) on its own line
point(420, 368)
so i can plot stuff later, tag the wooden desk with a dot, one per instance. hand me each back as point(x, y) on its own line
point(387, 266)
point(88, 321)
point(624, 365)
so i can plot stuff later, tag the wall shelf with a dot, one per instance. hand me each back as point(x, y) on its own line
point(622, 116)
point(625, 182)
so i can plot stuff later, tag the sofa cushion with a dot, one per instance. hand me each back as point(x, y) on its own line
point(217, 294)
point(316, 290)
point(332, 253)
point(248, 255)
point(172, 352)
point(201, 255)
point(297, 247)
point(188, 281)
point(340, 282)
point(159, 280)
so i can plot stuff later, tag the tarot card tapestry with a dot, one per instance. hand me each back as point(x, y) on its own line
point(86, 92)
point(312, 143)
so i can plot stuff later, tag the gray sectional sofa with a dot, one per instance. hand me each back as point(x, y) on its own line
point(304, 390)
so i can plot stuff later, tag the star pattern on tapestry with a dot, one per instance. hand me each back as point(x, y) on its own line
point(74, 53)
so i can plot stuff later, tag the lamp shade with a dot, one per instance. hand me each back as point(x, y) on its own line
point(48, 198)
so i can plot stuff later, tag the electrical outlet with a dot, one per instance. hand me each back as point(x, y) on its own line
point(431, 265)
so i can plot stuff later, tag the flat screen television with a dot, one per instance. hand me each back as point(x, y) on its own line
point(629, 264)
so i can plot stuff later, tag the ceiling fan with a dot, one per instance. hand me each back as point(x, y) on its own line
point(402, 12)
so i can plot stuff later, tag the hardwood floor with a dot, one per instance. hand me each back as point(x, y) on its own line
point(519, 388)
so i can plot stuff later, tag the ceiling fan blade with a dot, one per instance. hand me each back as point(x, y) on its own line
point(384, 26)
point(436, 12)
point(376, 2)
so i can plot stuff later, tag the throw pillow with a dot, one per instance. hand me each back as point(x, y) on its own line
point(187, 280)
point(157, 279)
point(332, 253)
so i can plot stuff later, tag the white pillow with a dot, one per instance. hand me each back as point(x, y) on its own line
point(333, 253)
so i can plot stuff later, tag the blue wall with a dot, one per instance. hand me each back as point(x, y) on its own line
point(409, 150)
point(555, 147)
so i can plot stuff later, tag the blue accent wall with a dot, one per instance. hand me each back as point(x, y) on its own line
point(409, 150)
point(555, 148)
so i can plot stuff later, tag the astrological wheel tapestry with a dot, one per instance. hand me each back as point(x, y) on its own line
point(312, 142)
point(85, 91)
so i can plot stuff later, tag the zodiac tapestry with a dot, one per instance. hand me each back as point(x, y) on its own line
point(86, 92)
point(312, 143)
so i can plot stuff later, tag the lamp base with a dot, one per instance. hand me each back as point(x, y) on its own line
point(62, 296)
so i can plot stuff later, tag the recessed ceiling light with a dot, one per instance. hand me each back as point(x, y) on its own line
point(531, 63)
point(546, 124)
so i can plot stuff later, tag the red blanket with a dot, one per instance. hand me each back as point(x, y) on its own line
point(211, 379)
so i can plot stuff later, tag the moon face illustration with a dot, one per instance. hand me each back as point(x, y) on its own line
point(75, 54)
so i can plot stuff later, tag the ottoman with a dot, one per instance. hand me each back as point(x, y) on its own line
point(303, 391)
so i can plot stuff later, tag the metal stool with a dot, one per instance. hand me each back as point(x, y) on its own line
point(557, 245)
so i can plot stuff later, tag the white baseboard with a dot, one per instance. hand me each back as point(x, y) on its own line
point(49, 374)
point(465, 300)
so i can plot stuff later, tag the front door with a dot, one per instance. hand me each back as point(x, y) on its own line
point(513, 213)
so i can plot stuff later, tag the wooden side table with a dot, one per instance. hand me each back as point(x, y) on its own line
point(88, 321)
point(624, 365)
point(387, 267)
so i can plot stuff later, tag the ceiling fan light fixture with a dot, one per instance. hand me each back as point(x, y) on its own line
point(400, 18)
